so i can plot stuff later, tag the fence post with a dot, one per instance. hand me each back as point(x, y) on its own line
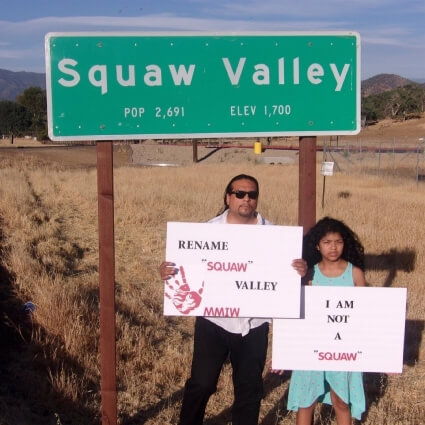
point(394, 156)
point(417, 163)
point(195, 150)
point(348, 159)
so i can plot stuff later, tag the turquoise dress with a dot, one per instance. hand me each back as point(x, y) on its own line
point(308, 386)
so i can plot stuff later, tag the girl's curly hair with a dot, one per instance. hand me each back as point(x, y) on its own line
point(353, 248)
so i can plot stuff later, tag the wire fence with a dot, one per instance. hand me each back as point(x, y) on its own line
point(384, 159)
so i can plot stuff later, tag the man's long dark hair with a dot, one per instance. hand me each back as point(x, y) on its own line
point(353, 248)
point(229, 189)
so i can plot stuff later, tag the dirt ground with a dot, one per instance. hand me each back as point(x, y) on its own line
point(150, 152)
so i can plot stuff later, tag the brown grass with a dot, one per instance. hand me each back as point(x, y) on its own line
point(49, 255)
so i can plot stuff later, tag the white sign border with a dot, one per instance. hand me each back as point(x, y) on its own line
point(371, 337)
point(268, 258)
point(109, 137)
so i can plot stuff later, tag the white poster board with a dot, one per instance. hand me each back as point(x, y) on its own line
point(233, 270)
point(343, 329)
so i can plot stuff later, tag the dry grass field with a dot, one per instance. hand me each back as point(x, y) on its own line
point(49, 361)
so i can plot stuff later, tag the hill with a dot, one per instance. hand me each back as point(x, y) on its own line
point(383, 82)
point(12, 84)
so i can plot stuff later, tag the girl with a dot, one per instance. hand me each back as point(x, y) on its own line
point(335, 256)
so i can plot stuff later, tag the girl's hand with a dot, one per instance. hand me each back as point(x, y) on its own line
point(300, 266)
point(276, 371)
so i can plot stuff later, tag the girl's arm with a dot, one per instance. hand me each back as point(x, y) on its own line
point(358, 277)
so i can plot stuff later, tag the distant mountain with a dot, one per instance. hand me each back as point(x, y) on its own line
point(383, 82)
point(12, 84)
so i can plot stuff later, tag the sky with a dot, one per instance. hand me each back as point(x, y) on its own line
point(392, 31)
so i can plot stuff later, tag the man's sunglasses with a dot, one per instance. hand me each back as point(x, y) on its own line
point(240, 194)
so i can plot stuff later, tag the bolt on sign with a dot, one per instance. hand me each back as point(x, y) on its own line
point(113, 86)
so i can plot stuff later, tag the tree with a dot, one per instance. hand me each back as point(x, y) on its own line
point(34, 100)
point(14, 119)
point(396, 104)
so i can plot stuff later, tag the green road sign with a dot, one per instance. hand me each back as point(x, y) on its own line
point(113, 86)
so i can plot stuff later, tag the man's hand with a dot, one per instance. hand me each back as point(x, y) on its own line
point(167, 270)
point(300, 266)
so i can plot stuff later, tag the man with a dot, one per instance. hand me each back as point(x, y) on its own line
point(243, 340)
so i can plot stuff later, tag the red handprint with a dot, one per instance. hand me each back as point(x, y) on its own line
point(182, 297)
